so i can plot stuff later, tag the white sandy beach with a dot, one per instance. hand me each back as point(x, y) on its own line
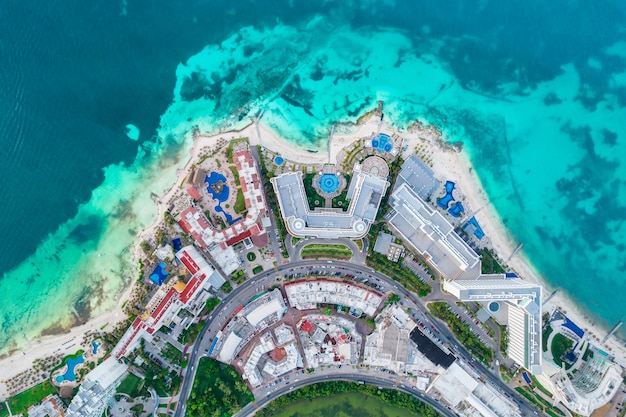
point(446, 163)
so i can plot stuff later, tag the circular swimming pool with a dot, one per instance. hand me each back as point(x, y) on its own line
point(494, 306)
point(329, 183)
point(279, 160)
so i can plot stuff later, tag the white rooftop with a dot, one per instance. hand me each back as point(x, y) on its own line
point(107, 373)
point(365, 194)
point(305, 295)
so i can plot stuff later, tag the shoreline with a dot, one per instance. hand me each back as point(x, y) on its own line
point(447, 163)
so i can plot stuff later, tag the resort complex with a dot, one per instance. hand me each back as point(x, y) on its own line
point(429, 234)
point(269, 273)
point(365, 193)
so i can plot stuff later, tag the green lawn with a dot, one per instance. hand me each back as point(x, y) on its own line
point(4, 411)
point(489, 264)
point(131, 385)
point(20, 403)
point(257, 269)
point(326, 251)
point(233, 169)
point(240, 203)
point(312, 195)
point(560, 346)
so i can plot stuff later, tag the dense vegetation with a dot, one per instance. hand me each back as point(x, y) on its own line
point(218, 390)
point(164, 381)
point(211, 303)
point(272, 201)
point(461, 331)
point(326, 389)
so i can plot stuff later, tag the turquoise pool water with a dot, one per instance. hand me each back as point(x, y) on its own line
point(159, 274)
point(69, 375)
point(329, 183)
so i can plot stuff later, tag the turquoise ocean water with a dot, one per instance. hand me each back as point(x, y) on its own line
point(535, 93)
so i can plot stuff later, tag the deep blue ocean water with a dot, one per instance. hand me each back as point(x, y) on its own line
point(534, 90)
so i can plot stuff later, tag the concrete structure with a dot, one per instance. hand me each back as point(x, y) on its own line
point(248, 321)
point(418, 176)
point(171, 298)
point(390, 346)
point(468, 397)
point(194, 222)
point(306, 295)
point(51, 406)
point(365, 194)
point(273, 355)
point(97, 389)
point(523, 302)
point(429, 234)
point(385, 246)
point(329, 340)
point(593, 386)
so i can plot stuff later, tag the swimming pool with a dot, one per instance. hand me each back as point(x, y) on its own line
point(457, 209)
point(159, 274)
point(220, 192)
point(95, 345)
point(382, 143)
point(217, 190)
point(71, 363)
point(329, 183)
point(448, 198)
point(279, 160)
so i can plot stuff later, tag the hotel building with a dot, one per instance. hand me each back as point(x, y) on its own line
point(425, 230)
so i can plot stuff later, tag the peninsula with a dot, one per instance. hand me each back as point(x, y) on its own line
point(377, 261)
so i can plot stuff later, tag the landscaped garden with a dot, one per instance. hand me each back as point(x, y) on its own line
point(317, 251)
point(559, 347)
point(461, 330)
point(20, 403)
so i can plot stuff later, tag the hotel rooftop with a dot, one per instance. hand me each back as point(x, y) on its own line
point(365, 194)
point(194, 222)
point(306, 295)
point(171, 298)
point(521, 299)
point(424, 228)
point(430, 234)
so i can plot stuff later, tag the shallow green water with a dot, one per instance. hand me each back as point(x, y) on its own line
point(343, 405)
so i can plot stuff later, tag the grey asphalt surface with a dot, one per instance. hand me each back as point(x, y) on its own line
point(268, 278)
point(368, 379)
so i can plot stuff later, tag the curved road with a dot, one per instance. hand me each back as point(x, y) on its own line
point(251, 408)
point(260, 282)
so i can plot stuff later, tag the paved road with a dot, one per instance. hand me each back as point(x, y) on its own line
point(359, 273)
point(305, 380)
